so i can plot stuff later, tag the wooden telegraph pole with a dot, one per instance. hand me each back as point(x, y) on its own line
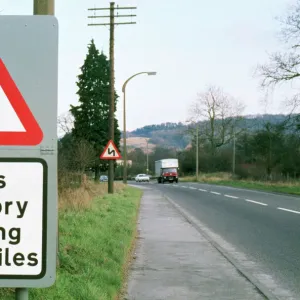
point(111, 24)
point(43, 7)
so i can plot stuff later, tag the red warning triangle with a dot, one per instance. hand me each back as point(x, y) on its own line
point(33, 134)
point(110, 151)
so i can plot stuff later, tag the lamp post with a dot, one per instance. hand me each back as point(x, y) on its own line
point(124, 123)
point(197, 149)
point(147, 170)
point(197, 152)
point(233, 154)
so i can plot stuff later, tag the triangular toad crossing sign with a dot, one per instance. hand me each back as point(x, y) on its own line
point(29, 133)
point(110, 151)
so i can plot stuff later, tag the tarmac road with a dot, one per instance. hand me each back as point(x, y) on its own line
point(263, 226)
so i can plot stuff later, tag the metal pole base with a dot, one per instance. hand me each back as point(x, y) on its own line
point(22, 294)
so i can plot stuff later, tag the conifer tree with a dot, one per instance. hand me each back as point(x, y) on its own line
point(91, 115)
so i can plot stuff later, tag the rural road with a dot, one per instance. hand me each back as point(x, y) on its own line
point(262, 230)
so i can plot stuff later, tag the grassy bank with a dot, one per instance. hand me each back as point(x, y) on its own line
point(227, 180)
point(96, 235)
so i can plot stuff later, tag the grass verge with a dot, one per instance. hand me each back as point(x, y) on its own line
point(94, 244)
point(226, 179)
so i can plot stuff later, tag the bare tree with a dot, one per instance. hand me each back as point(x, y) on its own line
point(83, 155)
point(219, 114)
point(65, 123)
point(284, 67)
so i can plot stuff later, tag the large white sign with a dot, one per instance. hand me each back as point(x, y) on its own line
point(22, 212)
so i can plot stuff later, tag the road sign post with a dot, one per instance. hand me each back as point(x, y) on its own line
point(22, 294)
point(110, 152)
point(28, 151)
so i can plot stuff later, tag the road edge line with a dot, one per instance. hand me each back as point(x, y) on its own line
point(255, 282)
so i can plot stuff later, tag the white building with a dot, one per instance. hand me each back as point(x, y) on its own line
point(120, 162)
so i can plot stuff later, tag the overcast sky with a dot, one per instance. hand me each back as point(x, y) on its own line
point(190, 44)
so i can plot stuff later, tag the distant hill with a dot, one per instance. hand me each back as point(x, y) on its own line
point(174, 135)
point(138, 142)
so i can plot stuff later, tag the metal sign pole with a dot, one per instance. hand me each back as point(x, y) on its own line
point(22, 294)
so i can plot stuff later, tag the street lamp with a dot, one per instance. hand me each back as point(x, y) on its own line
point(124, 123)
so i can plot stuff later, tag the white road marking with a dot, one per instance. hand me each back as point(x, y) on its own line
point(233, 197)
point(256, 202)
point(192, 188)
point(289, 210)
point(216, 193)
point(202, 190)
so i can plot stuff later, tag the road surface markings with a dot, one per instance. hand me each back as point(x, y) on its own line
point(233, 197)
point(201, 190)
point(192, 188)
point(256, 202)
point(216, 193)
point(289, 210)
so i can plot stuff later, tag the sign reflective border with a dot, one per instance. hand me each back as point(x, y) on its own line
point(110, 151)
point(33, 134)
point(23, 218)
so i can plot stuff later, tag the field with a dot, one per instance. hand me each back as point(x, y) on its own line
point(97, 232)
point(138, 142)
point(291, 187)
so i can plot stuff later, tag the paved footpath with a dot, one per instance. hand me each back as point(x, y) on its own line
point(174, 261)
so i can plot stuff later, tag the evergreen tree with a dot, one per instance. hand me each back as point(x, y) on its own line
point(91, 116)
